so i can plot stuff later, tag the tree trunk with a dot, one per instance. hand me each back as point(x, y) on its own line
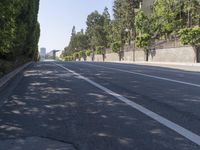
point(147, 55)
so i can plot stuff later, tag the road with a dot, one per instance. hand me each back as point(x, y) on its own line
point(103, 106)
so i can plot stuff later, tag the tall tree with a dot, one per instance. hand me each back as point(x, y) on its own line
point(95, 30)
point(19, 28)
point(78, 41)
point(73, 31)
point(107, 27)
point(124, 16)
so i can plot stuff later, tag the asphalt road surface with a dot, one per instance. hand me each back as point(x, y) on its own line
point(103, 106)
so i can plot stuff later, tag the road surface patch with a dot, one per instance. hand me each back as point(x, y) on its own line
point(150, 76)
point(173, 126)
point(34, 143)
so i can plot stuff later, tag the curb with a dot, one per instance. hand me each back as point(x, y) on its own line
point(12, 74)
point(155, 63)
point(152, 63)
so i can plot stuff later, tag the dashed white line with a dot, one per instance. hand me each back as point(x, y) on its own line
point(173, 126)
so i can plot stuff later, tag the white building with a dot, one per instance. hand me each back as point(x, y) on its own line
point(54, 54)
point(58, 54)
point(42, 54)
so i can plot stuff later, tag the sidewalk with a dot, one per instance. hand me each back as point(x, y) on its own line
point(195, 67)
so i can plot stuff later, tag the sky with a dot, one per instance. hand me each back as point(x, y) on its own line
point(57, 18)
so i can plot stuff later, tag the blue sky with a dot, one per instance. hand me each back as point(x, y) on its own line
point(57, 18)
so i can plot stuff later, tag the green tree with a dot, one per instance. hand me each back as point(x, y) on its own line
point(19, 29)
point(88, 52)
point(107, 27)
point(76, 55)
point(82, 54)
point(116, 47)
point(79, 41)
point(191, 36)
point(124, 16)
point(95, 30)
point(100, 50)
point(7, 28)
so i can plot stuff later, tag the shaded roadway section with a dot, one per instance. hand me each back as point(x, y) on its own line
point(49, 102)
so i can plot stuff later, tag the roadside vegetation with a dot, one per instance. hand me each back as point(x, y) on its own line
point(19, 33)
point(169, 20)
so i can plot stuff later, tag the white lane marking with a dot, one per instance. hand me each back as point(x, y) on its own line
point(162, 68)
point(151, 76)
point(173, 126)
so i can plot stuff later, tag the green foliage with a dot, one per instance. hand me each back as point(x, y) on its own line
point(82, 54)
point(19, 29)
point(97, 24)
point(166, 19)
point(124, 19)
point(116, 47)
point(19, 33)
point(190, 36)
point(76, 55)
point(88, 52)
point(100, 49)
point(7, 27)
point(142, 23)
point(79, 41)
point(143, 40)
point(68, 58)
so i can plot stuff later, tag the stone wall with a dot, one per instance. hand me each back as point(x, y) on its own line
point(112, 57)
point(178, 55)
point(98, 57)
point(181, 55)
point(139, 55)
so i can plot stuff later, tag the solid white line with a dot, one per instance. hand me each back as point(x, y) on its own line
point(151, 76)
point(173, 126)
point(162, 68)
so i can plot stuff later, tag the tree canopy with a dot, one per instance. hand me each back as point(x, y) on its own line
point(19, 29)
point(168, 20)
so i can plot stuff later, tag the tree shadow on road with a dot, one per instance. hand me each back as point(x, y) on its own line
point(52, 103)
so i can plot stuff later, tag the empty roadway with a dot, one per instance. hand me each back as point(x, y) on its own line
point(58, 101)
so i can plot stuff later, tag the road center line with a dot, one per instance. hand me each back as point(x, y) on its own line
point(173, 126)
point(150, 76)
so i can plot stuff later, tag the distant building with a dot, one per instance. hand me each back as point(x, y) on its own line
point(58, 54)
point(42, 54)
point(53, 54)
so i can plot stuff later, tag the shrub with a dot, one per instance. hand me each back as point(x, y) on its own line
point(88, 53)
point(76, 55)
point(81, 54)
point(99, 49)
point(142, 40)
point(190, 36)
point(116, 47)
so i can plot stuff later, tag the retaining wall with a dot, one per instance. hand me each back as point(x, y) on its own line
point(179, 55)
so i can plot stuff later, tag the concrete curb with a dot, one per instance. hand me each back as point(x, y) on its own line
point(151, 63)
point(156, 63)
point(12, 74)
